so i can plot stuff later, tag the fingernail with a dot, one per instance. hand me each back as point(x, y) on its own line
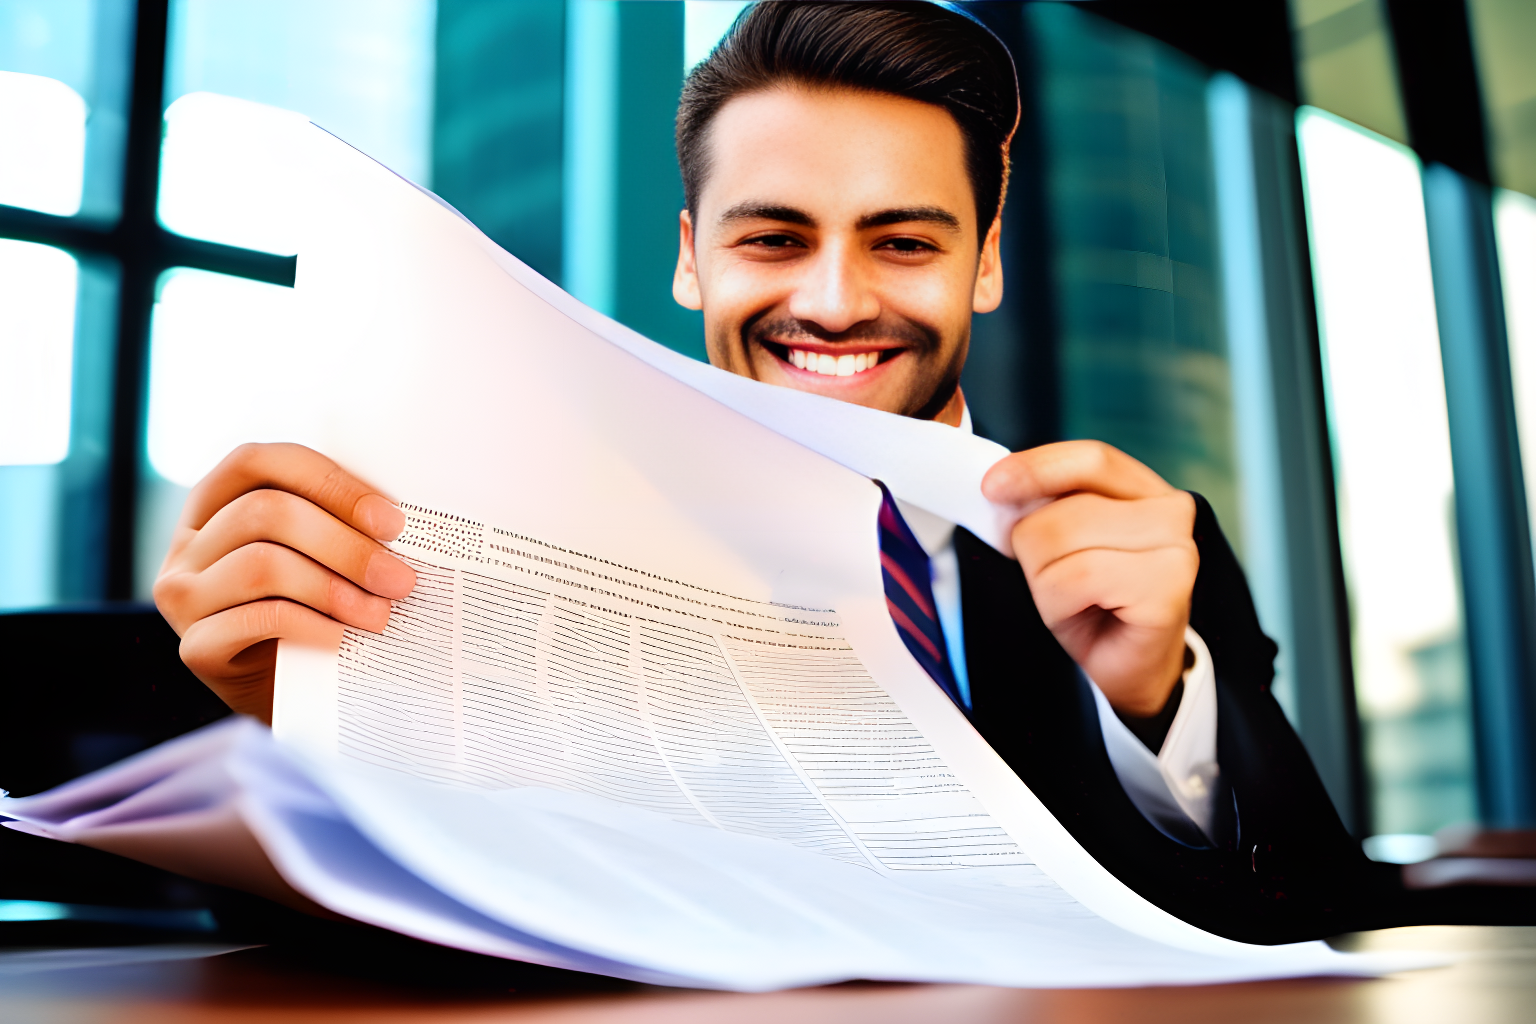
point(388, 577)
point(377, 516)
point(995, 484)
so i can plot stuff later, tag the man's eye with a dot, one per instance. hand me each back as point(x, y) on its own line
point(906, 245)
point(773, 241)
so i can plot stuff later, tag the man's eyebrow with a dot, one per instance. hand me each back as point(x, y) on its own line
point(908, 215)
point(767, 211)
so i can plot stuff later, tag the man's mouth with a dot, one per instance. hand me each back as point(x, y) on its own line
point(830, 364)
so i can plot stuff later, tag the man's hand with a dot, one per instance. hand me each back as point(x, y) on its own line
point(1108, 549)
point(276, 538)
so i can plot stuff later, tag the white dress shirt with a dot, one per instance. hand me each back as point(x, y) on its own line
point(1173, 789)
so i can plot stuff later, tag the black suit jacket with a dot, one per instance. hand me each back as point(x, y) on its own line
point(1285, 868)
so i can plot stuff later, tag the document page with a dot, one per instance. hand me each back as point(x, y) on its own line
point(518, 662)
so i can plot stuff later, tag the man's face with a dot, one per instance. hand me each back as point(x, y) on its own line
point(836, 248)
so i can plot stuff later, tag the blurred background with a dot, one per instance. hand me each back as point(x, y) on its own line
point(1283, 252)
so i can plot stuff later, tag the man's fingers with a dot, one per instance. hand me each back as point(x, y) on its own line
point(1083, 521)
point(1039, 474)
point(1143, 588)
point(231, 652)
point(297, 470)
point(283, 518)
point(257, 571)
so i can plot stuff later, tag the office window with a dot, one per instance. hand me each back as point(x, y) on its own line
point(498, 122)
point(359, 68)
point(704, 22)
point(243, 77)
point(1515, 223)
point(1345, 63)
point(37, 333)
point(37, 337)
point(1142, 348)
point(63, 76)
point(229, 172)
point(1504, 32)
point(1392, 458)
point(63, 89)
point(622, 190)
point(211, 372)
point(45, 119)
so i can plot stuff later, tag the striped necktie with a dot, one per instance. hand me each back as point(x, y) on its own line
point(909, 595)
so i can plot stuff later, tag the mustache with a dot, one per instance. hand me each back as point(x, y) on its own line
point(787, 329)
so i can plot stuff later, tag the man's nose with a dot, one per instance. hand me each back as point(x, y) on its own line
point(833, 293)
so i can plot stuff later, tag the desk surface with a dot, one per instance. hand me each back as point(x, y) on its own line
point(1493, 982)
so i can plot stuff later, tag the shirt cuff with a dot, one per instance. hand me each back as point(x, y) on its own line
point(1175, 789)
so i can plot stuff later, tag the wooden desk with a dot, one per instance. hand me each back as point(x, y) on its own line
point(1494, 983)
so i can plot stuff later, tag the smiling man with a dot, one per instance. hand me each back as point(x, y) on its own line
point(844, 168)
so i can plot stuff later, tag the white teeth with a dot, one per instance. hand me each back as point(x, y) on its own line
point(833, 366)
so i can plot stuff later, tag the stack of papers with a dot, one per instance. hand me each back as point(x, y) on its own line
point(646, 713)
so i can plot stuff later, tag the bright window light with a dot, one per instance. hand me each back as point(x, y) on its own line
point(37, 343)
point(1392, 459)
point(229, 172)
point(224, 360)
point(704, 23)
point(361, 69)
point(42, 123)
point(1399, 848)
point(1387, 397)
point(1515, 221)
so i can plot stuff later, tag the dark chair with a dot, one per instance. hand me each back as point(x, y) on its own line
point(81, 688)
point(84, 687)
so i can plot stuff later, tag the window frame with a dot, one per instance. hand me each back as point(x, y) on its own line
point(136, 249)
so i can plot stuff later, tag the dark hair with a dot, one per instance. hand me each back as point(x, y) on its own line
point(920, 51)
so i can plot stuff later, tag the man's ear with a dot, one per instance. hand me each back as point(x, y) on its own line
point(685, 280)
point(989, 272)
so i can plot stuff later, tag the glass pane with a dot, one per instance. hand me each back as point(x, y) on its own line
point(621, 187)
point(498, 122)
point(1262, 500)
point(1142, 356)
point(45, 65)
point(37, 338)
point(1345, 63)
point(242, 75)
point(704, 22)
point(218, 344)
point(361, 69)
point(230, 172)
point(1392, 457)
point(1515, 222)
point(45, 119)
point(1504, 34)
point(64, 103)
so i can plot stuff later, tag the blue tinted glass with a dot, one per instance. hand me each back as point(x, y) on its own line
point(244, 75)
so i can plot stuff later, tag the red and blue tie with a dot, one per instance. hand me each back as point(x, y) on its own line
point(909, 595)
